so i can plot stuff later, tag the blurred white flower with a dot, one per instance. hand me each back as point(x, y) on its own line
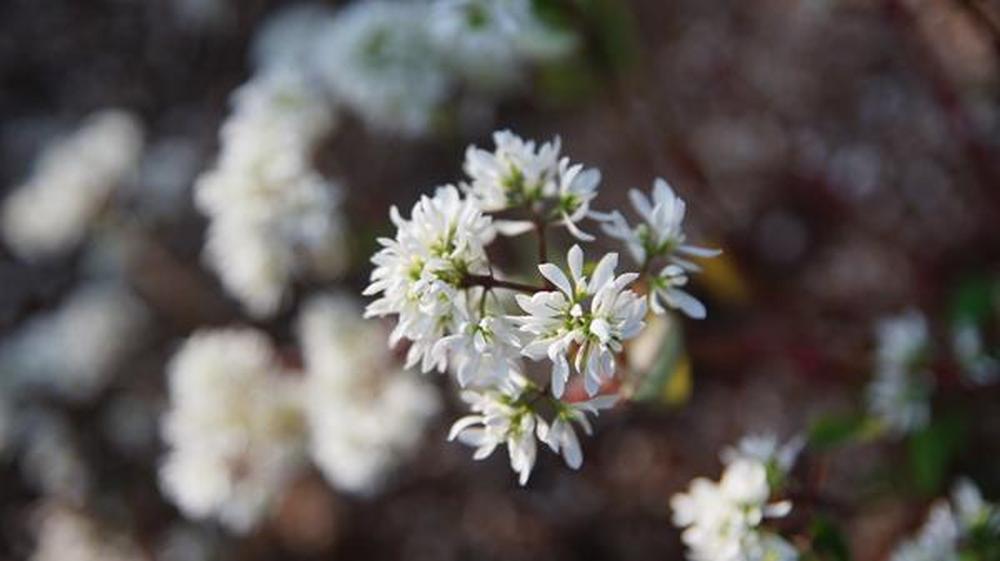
point(587, 318)
point(366, 417)
point(418, 273)
point(289, 36)
point(722, 520)
point(899, 394)
point(74, 350)
point(63, 534)
point(234, 430)
point(51, 213)
point(952, 531)
point(489, 42)
point(273, 217)
point(979, 365)
point(377, 58)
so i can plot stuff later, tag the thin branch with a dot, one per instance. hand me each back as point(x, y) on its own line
point(489, 282)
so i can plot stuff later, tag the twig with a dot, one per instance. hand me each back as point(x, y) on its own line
point(488, 282)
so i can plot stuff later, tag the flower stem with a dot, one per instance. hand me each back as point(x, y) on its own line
point(489, 281)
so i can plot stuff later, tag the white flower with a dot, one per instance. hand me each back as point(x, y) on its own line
point(766, 449)
point(577, 188)
point(234, 430)
point(899, 394)
point(660, 234)
point(419, 273)
point(560, 435)
point(366, 417)
point(979, 365)
point(501, 417)
point(482, 352)
point(273, 217)
point(589, 318)
point(515, 173)
point(73, 351)
point(377, 58)
point(488, 42)
point(289, 36)
point(722, 520)
point(70, 184)
point(665, 287)
point(952, 531)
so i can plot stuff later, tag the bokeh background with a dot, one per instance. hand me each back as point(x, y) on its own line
point(845, 154)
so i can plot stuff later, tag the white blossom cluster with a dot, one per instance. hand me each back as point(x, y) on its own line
point(52, 212)
point(273, 217)
point(235, 428)
point(954, 530)
point(401, 65)
point(73, 351)
point(899, 394)
point(242, 424)
point(365, 415)
point(724, 520)
point(436, 278)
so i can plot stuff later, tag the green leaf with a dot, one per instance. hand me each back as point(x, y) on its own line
point(828, 543)
point(836, 430)
point(931, 453)
point(972, 300)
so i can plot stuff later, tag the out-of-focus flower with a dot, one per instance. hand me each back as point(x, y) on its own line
point(377, 58)
point(73, 351)
point(365, 416)
point(979, 365)
point(52, 211)
point(560, 435)
point(273, 217)
point(954, 531)
point(290, 36)
point(234, 430)
point(722, 520)
point(63, 534)
point(418, 274)
point(489, 42)
point(587, 318)
point(899, 394)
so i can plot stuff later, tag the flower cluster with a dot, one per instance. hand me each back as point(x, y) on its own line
point(723, 520)
point(71, 182)
point(396, 63)
point(967, 528)
point(73, 351)
point(899, 394)
point(273, 217)
point(242, 423)
point(365, 415)
point(234, 429)
point(436, 278)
